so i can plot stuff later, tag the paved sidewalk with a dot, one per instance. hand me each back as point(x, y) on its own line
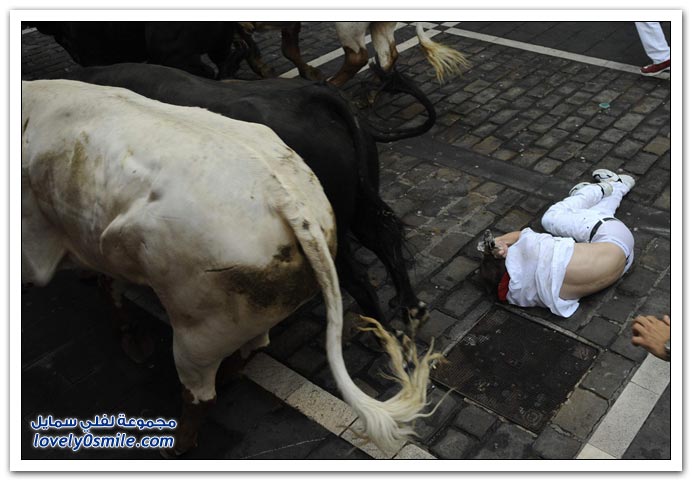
point(514, 133)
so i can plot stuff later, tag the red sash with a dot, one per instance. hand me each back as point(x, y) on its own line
point(503, 287)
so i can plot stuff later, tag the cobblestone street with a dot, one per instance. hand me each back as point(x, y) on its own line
point(514, 133)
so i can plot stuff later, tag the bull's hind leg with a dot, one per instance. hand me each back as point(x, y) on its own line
point(290, 47)
point(197, 355)
point(253, 56)
point(385, 46)
point(378, 228)
point(354, 279)
point(352, 38)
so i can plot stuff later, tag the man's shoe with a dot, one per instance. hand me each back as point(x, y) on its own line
point(628, 180)
point(655, 68)
point(605, 175)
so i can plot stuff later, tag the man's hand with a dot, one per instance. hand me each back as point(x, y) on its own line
point(652, 333)
point(500, 250)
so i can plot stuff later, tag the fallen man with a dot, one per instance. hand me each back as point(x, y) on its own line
point(591, 250)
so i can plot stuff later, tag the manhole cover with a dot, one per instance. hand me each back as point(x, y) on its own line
point(519, 369)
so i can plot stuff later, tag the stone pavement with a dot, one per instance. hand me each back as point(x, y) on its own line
point(515, 132)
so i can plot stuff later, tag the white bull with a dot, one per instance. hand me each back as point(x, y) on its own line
point(225, 222)
point(445, 60)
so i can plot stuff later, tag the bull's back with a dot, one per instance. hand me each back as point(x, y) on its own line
point(302, 114)
point(133, 186)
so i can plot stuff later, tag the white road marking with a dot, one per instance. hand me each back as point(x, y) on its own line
point(322, 407)
point(631, 409)
point(317, 404)
point(599, 62)
point(591, 452)
point(653, 374)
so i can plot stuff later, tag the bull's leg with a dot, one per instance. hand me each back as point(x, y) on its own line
point(385, 46)
point(354, 279)
point(352, 38)
point(290, 47)
point(254, 59)
point(197, 355)
point(227, 58)
point(192, 416)
point(377, 228)
point(354, 61)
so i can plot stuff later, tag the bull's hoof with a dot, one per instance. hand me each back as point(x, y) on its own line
point(182, 445)
point(139, 346)
point(312, 73)
point(417, 316)
point(267, 72)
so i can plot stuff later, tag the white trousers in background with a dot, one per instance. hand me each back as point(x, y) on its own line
point(577, 215)
point(653, 41)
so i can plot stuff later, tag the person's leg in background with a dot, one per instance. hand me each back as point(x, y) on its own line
point(656, 47)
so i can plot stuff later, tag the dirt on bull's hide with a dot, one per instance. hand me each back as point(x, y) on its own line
point(74, 176)
point(280, 283)
point(287, 281)
point(284, 254)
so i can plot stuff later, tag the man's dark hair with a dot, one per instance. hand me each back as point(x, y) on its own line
point(491, 272)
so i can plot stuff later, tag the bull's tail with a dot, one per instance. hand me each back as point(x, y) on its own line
point(445, 60)
point(394, 81)
point(385, 423)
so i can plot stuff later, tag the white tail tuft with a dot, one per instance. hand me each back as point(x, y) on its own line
point(385, 423)
point(445, 60)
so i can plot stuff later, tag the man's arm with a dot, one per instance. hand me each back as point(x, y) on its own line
point(503, 243)
point(509, 238)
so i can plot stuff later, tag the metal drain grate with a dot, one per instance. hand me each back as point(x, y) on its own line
point(519, 369)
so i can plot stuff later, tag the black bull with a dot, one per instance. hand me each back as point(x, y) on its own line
point(183, 44)
point(175, 44)
point(316, 122)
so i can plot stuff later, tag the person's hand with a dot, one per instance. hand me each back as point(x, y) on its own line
point(500, 250)
point(652, 333)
